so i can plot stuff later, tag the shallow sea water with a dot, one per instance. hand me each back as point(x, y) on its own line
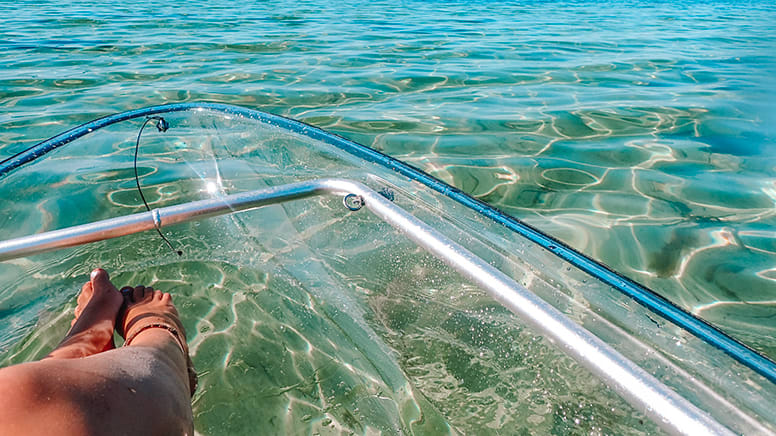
point(641, 134)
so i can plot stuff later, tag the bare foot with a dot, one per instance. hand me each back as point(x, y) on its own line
point(150, 318)
point(91, 331)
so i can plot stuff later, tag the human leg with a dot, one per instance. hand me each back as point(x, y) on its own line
point(91, 331)
point(142, 388)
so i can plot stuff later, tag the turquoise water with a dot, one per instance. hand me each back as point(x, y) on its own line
point(641, 134)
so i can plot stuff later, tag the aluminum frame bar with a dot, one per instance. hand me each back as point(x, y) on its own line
point(646, 393)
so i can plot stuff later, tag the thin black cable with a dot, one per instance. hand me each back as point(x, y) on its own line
point(162, 126)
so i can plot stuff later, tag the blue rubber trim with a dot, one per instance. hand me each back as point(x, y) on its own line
point(644, 296)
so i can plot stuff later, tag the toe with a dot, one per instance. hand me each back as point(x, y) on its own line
point(138, 294)
point(101, 281)
point(82, 300)
point(158, 295)
point(86, 290)
point(85, 295)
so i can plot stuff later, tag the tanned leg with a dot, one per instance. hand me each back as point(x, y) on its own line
point(139, 389)
point(91, 331)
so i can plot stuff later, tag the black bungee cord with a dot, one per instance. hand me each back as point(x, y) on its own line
point(162, 126)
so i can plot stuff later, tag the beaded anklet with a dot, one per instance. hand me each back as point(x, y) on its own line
point(174, 331)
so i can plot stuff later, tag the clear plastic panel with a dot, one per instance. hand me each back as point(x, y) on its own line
point(307, 317)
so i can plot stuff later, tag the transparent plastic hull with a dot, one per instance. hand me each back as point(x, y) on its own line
point(305, 317)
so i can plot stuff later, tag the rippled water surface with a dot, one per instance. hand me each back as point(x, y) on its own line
point(640, 133)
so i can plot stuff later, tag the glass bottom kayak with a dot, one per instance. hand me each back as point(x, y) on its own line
point(305, 316)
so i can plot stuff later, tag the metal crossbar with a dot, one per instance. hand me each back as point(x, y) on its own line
point(646, 393)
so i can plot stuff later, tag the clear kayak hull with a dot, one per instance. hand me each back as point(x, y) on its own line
point(309, 317)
